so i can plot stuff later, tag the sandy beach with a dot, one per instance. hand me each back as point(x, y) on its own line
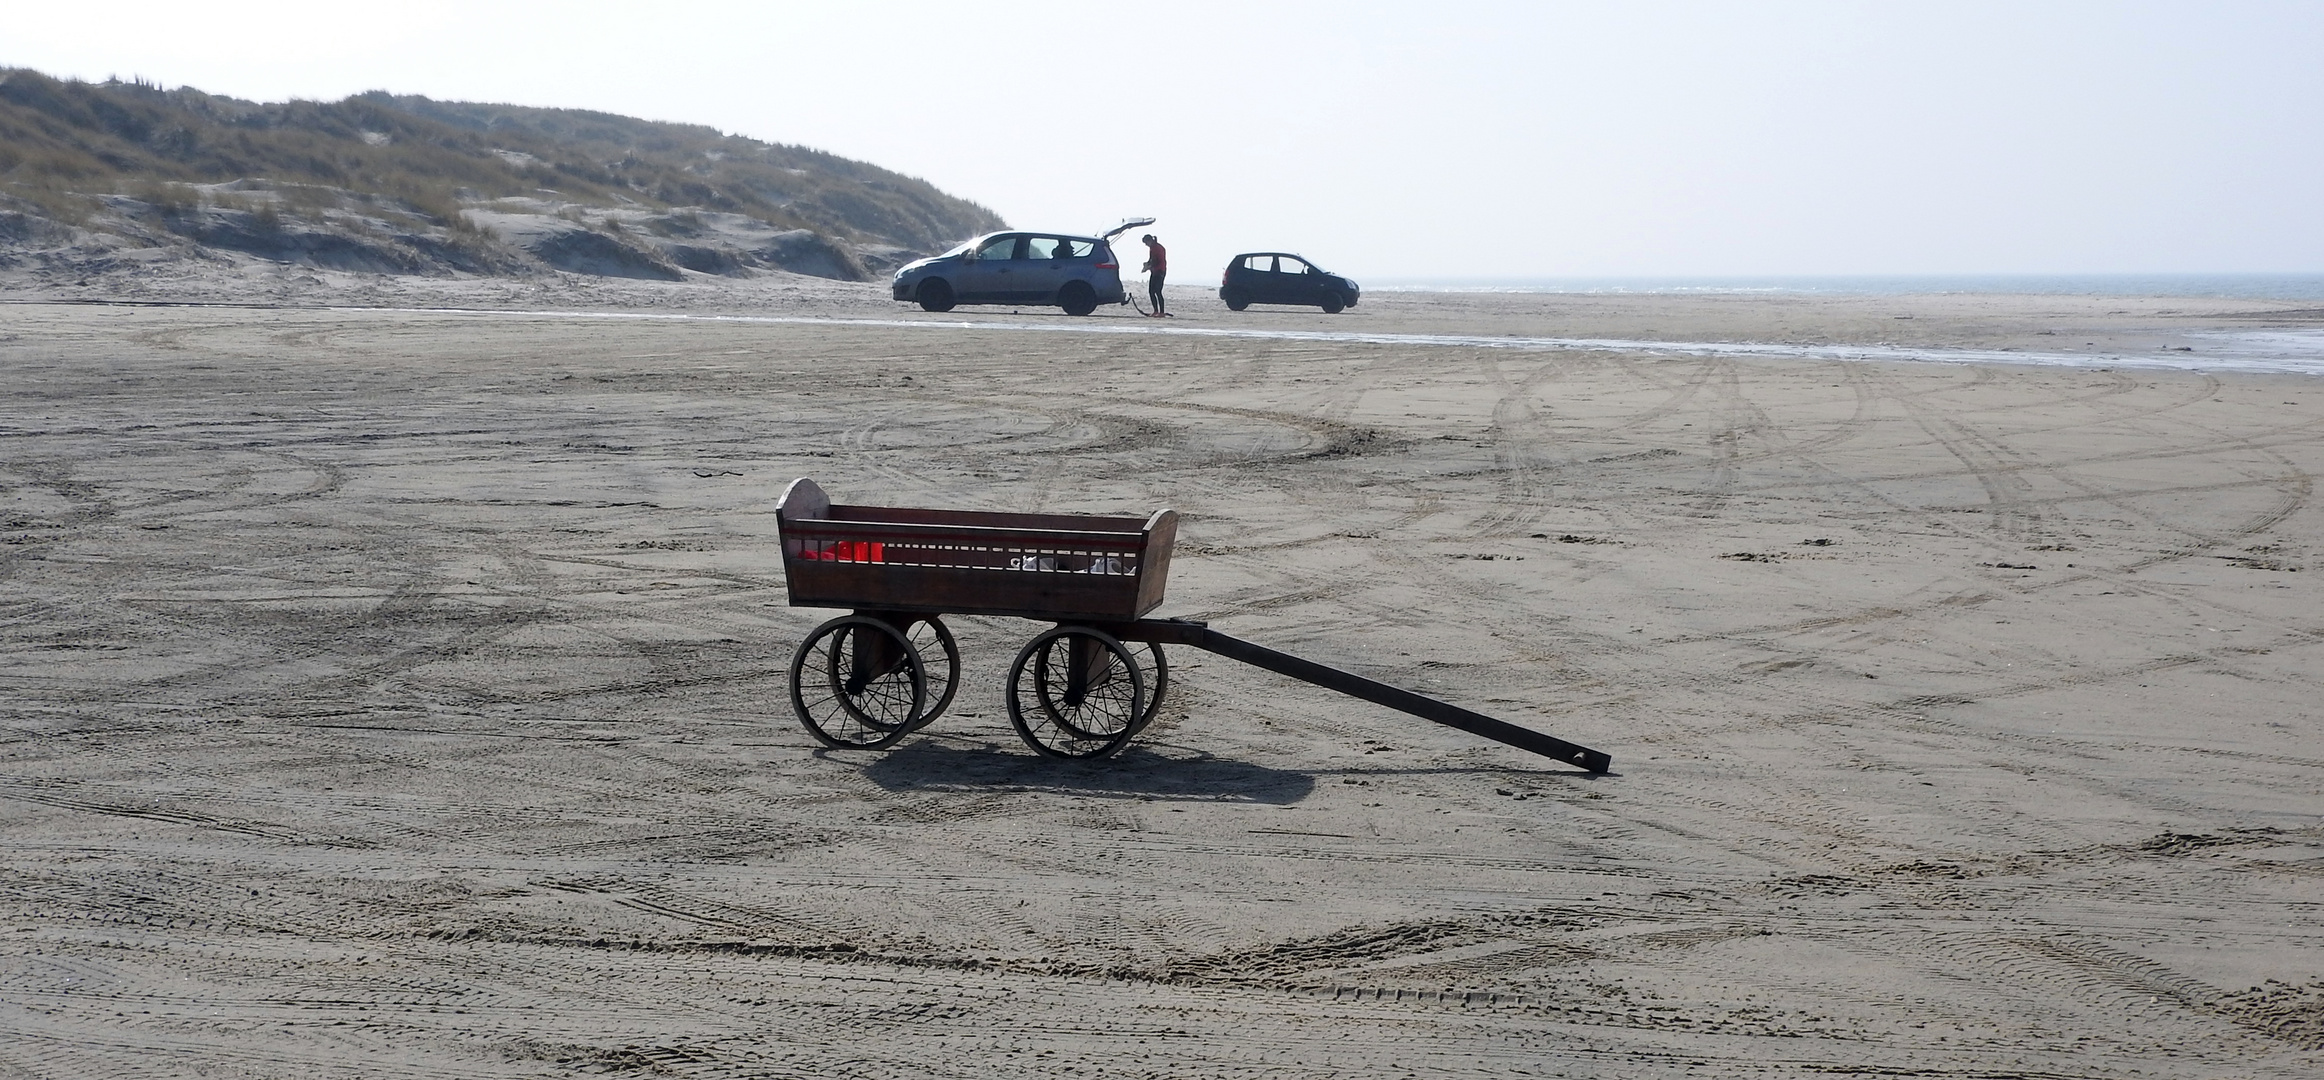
point(401, 692)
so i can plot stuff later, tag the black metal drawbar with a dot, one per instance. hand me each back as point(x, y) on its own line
point(1189, 632)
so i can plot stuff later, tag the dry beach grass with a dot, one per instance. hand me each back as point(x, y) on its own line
point(399, 693)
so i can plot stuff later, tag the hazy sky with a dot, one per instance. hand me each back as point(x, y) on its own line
point(1396, 141)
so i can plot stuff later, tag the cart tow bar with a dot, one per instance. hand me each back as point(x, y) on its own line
point(1201, 636)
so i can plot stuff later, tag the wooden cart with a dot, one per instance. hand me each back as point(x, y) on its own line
point(1081, 689)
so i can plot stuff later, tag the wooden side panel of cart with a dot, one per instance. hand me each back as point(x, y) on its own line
point(1060, 567)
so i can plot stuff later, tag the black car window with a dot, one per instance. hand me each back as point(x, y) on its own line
point(1003, 248)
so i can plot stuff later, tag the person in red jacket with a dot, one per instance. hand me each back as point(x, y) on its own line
point(1157, 268)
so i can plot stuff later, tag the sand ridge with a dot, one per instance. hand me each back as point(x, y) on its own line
point(401, 692)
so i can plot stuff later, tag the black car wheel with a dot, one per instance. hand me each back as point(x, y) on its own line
point(1332, 303)
point(1077, 298)
point(935, 295)
point(1235, 299)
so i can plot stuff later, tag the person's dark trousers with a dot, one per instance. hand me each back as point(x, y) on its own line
point(1154, 292)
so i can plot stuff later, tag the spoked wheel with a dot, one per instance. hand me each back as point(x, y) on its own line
point(1075, 692)
point(859, 684)
point(941, 659)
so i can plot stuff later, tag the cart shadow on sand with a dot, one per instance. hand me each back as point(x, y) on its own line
point(1168, 772)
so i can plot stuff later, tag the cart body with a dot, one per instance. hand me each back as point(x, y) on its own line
point(1050, 567)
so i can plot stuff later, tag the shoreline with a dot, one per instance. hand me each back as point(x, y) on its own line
point(2137, 333)
point(2303, 288)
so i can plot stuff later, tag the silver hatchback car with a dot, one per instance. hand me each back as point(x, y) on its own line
point(1076, 273)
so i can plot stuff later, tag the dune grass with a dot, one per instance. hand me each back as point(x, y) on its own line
point(64, 144)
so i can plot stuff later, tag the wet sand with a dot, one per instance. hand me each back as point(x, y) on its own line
point(402, 693)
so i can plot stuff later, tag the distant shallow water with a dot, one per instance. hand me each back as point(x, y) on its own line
point(2192, 286)
point(2277, 352)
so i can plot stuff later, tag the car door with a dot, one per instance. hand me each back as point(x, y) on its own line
point(1295, 281)
point(1271, 289)
point(990, 277)
point(1251, 276)
point(1046, 267)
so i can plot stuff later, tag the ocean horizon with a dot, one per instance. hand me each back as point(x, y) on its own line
point(2228, 286)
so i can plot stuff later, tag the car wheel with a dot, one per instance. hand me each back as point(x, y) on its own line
point(935, 295)
point(1077, 298)
point(1332, 303)
point(1235, 299)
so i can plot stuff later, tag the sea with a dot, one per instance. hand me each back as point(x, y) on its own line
point(2284, 287)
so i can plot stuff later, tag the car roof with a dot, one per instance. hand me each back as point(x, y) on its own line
point(1038, 232)
point(1292, 254)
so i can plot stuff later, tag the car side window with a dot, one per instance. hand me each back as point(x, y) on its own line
point(1041, 247)
point(1288, 265)
point(1003, 248)
point(1073, 249)
point(1261, 263)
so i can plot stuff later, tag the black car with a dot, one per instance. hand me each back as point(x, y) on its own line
point(1275, 277)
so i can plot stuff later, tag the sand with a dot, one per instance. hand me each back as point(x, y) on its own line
point(394, 693)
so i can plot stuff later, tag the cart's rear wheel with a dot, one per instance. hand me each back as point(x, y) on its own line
point(858, 683)
point(1075, 692)
point(941, 659)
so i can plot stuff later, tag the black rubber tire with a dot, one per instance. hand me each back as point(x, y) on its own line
point(1077, 298)
point(1332, 304)
point(1102, 721)
point(935, 294)
point(884, 708)
point(1235, 300)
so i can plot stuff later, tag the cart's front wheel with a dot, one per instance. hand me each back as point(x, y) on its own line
point(1076, 692)
point(858, 683)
